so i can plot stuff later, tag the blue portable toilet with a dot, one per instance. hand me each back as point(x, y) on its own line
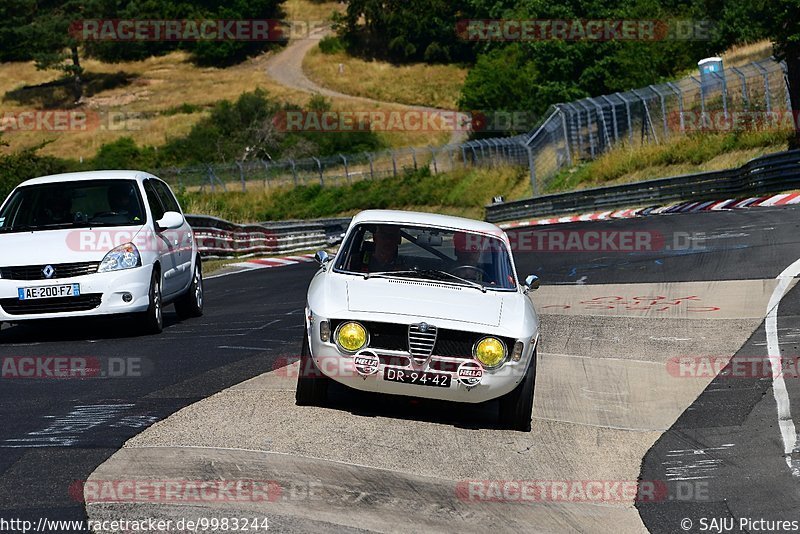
point(711, 73)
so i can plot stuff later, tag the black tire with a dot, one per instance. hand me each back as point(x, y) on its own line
point(516, 407)
point(312, 385)
point(152, 321)
point(191, 304)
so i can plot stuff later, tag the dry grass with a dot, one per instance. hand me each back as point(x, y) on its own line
point(680, 155)
point(418, 84)
point(158, 84)
point(311, 10)
point(740, 55)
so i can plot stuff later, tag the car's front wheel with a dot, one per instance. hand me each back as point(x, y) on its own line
point(312, 385)
point(152, 321)
point(516, 407)
point(191, 304)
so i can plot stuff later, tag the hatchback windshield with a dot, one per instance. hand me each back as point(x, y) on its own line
point(421, 252)
point(85, 203)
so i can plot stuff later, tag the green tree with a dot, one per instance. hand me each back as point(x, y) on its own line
point(784, 29)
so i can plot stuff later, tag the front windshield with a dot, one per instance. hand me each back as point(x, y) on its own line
point(70, 204)
point(423, 252)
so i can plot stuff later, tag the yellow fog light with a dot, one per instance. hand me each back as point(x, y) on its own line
point(490, 351)
point(351, 336)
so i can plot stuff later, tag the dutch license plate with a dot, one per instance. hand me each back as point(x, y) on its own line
point(420, 378)
point(49, 292)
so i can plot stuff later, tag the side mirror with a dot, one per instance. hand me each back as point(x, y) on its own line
point(322, 258)
point(532, 283)
point(172, 220)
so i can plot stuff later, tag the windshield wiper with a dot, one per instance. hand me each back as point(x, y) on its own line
point(464, 281)
point(424, 272)
point(389, 274)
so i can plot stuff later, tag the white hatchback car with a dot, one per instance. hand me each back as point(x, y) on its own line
point(422, 305)
point(97, 243)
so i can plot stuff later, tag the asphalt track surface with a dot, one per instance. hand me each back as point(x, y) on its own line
point(56, 432)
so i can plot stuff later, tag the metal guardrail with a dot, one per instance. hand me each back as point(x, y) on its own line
point(218, 238)
point(767, 174)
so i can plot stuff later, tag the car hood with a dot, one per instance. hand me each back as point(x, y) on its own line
point(69, 245)
point(426, 299)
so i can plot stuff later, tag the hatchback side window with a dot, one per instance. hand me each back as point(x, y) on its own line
point(166, 196)
point(152, 199)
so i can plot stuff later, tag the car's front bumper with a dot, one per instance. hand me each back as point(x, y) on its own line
point(341, 368)
point(110, 288)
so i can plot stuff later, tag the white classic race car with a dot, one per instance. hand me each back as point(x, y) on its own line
point(426, 306)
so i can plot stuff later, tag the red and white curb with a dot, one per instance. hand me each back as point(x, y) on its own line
point(686, 207)
point(268, 263)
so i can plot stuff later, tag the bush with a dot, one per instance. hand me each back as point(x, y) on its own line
point(331, 44)
point(17, 167)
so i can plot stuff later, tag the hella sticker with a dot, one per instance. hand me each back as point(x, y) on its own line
point(470, 373)
point(366, 363)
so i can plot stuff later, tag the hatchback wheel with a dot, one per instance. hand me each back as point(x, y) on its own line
point(191, 304)
point(152, 321)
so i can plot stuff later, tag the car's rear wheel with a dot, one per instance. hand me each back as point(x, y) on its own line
point(516, 407)
point(312, 385)
point(152, 321)
point(191, 304)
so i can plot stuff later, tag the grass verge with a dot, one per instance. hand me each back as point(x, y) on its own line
point(463, 192)
point(417, 84)
point(682, 155)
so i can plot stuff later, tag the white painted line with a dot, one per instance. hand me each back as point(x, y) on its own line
point(785, 422)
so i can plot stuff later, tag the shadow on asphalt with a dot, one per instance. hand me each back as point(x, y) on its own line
point(460, 415)
point(78, 329)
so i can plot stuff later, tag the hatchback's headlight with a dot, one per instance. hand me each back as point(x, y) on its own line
point(490, 351)
point(351, 336)
point(123, 257)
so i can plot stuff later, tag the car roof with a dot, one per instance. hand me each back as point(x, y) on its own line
point(426, 219)
point(89, 175)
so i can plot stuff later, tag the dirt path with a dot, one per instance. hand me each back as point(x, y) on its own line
point(286, 68)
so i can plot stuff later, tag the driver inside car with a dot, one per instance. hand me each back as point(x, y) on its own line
point(468, 257)
point(384, 256)
point(120, 201)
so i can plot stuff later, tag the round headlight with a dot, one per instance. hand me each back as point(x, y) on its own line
point(490, 351)
point(351, 336)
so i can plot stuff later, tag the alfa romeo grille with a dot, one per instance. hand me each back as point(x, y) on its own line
point(421, 340)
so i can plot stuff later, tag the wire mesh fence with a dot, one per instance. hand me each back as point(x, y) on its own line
point(568, 133)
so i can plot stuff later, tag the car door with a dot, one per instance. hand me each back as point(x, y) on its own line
point(180, 237)
point(167, 248)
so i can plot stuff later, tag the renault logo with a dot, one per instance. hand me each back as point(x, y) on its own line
point(48, 271)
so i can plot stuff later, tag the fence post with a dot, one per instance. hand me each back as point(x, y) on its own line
point(211, 179)
point(588, 111)
point(433, 159)
point(266, 173)
point(565, 130)
point(647, 124)
point(452, 158)
point(319, 167)
point(786, 88)
point(346, 170)
point(414, 157)
point(599, 110)
point(724, 93)
point(743, 79)
point(614, 128)
point(679, 94)
point(531, 168)
point(765, 74)
point(241, 176)
point(294, 172)
point(663, 109)
point(371, 167)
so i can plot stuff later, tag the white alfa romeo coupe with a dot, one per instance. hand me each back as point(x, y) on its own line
point(426, 306)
